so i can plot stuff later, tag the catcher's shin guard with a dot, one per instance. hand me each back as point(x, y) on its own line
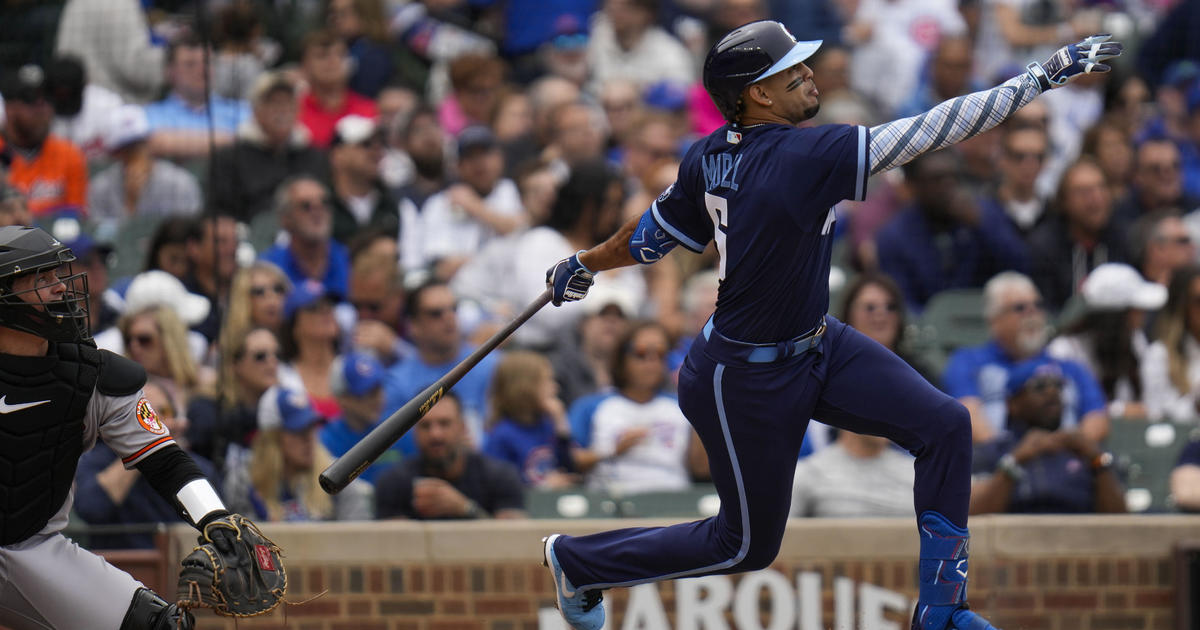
point(943, 578)
point(148, 611)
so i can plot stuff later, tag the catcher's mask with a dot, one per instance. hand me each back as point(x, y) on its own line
point(30, 251)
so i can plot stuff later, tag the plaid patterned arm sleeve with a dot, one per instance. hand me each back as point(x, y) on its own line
point(897, 142)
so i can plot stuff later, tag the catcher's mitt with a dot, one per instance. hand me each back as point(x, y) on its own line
point(235, 570)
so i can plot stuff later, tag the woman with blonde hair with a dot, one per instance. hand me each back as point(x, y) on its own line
point(276, 478)
point(155, 337)
point(249, 366)
point(256, 299)
point(528, 425)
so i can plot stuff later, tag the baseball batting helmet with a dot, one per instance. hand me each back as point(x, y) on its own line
point(30, 250)
point(749, 54)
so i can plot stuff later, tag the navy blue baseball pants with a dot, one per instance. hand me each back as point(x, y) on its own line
point(751, 418)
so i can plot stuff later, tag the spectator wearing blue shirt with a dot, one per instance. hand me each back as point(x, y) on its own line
point(179, 123)
point(357, 381)
point(107, 493)
point(528, 427)
point(309, 251)
point(1037, 466)
point(432, 318)
point(977, 376)
point(946, 240)
point(1185, 479)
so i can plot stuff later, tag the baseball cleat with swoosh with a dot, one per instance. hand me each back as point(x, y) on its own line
point(581, 610)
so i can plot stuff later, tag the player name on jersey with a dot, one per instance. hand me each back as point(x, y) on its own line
point(720, 171)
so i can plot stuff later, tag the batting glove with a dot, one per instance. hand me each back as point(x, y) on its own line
point(568, 280)
point(1073, 60)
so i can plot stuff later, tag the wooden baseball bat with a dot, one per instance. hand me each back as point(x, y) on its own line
point(346, 468)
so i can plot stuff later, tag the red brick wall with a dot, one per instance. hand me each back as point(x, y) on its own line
point(1064, 593)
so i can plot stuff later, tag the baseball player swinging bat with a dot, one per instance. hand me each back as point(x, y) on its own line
point(346, 468)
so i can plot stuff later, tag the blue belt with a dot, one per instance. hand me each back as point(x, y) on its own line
point(765, 352)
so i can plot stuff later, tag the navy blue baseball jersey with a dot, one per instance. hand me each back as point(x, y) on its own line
point(766, 194)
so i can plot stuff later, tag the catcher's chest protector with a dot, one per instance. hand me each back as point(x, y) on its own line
point(42, 405)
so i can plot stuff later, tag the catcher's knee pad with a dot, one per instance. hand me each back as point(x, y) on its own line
point(148, 611)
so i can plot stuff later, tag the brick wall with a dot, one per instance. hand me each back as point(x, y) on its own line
point(1093, 573)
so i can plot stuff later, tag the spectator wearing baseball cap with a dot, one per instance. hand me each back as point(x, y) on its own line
point(458, 222)
point(138, 184)
point(310, 340)
point(1108, 338)
point(270, 146)
point(276, 478)
point(1038, 466)
point(360, 200)
point(81, 108)
point(48, 170)
point(356, 379)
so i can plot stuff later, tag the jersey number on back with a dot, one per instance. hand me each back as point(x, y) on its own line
point(718, 211)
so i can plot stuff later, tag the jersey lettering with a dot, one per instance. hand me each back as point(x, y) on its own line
point(720, 171)
point(718, 211)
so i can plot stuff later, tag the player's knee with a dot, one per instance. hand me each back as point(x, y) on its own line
point(148, 611)
point(760, 555)
point(954, 426)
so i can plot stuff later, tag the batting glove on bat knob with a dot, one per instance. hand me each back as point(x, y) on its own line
point(1073, 60)
point(568, 280)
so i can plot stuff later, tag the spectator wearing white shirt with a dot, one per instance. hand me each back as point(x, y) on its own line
point(457, 222)
point(856, 476)
point(1171, 366)
point(639, 435)
point(625, 43)
point(81, 109)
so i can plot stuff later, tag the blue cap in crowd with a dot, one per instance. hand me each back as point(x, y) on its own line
point(304, 295)
point(475, 137)
point(1029, 370)
point(357, 373)
point(287, 409)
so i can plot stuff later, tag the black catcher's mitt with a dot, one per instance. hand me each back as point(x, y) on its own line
point(235, 570)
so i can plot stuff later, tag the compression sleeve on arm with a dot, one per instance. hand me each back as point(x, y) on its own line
point(649, 242)
point(176, 477)
point(898, 142)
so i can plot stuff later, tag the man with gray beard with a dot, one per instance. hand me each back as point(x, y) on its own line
point(977, 376)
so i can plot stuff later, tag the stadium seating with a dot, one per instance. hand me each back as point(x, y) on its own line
point(1145, 455)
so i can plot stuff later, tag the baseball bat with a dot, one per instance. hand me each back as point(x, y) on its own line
point(348, 467)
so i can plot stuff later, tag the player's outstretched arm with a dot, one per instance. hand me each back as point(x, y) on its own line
point(898, 142)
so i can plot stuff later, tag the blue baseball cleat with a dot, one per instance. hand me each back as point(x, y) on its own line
point(582, 611)
point(943, 578)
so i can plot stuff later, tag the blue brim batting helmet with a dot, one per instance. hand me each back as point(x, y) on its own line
point(749, 54)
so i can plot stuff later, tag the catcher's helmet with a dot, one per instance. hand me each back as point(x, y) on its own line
point(30, 250)
point(748, 54)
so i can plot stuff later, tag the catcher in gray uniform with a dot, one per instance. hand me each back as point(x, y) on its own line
point(58, 394)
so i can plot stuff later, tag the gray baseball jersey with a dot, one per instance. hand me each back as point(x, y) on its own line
point(49, 582)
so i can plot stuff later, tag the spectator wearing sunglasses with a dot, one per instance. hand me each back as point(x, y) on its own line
point(255, 300)
point(311, 340)
point(360, 200)
point(431, 318)
point(873, 305)
point(977, 376)
point(229, 416)
point(1038, 466)
point(377, 296)
point(308, 250)
point(639, 440)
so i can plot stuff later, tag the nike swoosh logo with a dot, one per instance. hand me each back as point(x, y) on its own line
point(7, 408)
point(568, 593)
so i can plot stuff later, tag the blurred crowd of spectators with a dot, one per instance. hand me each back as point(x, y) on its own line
point(320, 206)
